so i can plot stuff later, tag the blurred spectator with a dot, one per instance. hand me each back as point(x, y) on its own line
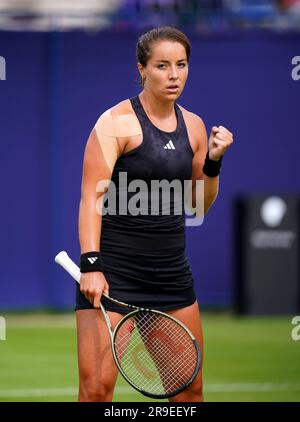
point(291, 6)
point(290, 14)
point(208, 16)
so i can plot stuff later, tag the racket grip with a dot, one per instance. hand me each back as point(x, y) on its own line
point(63, 259)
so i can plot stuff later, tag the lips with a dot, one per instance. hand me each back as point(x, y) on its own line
point(172, 89)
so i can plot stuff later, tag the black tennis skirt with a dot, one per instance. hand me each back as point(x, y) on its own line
point(157, 278)
point(145, 267)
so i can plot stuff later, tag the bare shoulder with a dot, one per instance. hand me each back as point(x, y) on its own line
point(122, 108)
point(191, 118)
point(196, 129)
point(120, 123)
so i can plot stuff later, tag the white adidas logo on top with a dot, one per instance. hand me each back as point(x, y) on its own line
point(169, 145)
point(93, 259)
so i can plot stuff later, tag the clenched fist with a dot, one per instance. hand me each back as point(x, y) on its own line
point(219, 141)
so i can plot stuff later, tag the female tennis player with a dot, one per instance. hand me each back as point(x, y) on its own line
point(141, 257)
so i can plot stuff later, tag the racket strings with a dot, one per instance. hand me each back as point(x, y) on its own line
point(155, 353)
point(166, 349)
point(164, 363)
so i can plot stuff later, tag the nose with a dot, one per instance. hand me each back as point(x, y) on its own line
point(173, 73)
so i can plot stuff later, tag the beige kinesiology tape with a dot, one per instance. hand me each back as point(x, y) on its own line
point(119, 126)
point(109, 128)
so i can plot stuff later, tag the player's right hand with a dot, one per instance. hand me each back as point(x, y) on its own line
point(92, 285)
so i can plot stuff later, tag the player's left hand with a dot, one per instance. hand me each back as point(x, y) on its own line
point(220, 140)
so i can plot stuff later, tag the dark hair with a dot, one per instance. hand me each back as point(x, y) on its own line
point(145, 41)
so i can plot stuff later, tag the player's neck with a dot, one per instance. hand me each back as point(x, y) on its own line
point(155, 107)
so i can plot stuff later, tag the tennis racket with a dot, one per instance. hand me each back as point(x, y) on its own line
point(155, 353)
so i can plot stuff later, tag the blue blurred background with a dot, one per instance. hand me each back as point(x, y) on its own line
point(66, 62)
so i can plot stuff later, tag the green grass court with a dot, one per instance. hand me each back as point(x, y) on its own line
point(246, 359)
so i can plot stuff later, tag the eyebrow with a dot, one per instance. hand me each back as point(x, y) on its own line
point(166, 61)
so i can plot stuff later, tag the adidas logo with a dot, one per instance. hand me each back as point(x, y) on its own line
point(93, 259)
point(169, 145)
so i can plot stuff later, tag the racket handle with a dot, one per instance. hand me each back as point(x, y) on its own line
point(63, 259)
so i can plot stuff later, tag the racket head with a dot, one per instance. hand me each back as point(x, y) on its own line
point(155, 353)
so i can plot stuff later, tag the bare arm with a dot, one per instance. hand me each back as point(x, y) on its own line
point(219, 141)
point(95, 169)
point(98, 162)
point(211, 184)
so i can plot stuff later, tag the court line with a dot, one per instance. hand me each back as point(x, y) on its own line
point(209, 388)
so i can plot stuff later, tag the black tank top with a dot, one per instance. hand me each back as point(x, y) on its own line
point(161, 155)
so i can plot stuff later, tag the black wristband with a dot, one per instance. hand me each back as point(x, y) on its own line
point(91, 261)
point(212, 168)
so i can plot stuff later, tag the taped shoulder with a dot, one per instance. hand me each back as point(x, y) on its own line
point(111, 127)
point(118, 125)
